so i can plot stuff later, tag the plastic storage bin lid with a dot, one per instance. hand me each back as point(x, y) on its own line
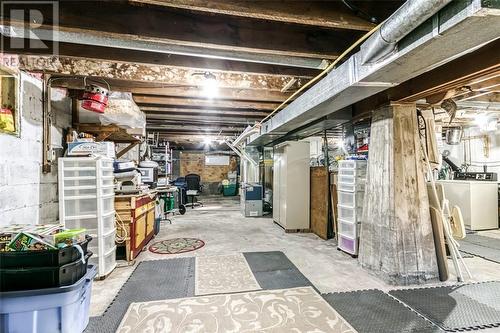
point(91, 273)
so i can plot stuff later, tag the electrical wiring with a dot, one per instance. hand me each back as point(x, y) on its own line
point(121, 237)
point(324, 72)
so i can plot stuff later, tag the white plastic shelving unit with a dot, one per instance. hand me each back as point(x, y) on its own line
point(86, 200)
point(351, 190)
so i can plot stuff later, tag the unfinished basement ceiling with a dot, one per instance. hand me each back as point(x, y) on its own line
point(258, 54)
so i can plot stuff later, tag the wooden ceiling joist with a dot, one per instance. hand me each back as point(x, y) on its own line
point(148, 73)
point(209, 103)
point(202, 119)
point(197, 111)
point(154, 89)
point(313, 13)
point(172, 31)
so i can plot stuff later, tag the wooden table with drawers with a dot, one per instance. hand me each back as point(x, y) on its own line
point(135, 221)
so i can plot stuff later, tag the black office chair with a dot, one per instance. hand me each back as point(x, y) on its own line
point(193, 189)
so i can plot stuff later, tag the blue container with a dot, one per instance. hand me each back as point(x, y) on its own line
point(54, 310)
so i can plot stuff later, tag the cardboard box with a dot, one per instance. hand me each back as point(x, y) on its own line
point(104, 148)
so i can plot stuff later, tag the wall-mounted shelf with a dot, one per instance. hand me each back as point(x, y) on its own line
point(110, 133)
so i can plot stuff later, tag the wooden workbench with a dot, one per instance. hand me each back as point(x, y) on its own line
point(137, 212)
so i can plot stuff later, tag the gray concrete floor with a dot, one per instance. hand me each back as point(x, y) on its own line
point(224, 230)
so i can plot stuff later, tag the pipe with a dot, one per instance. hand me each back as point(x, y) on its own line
point(403, 21)
point(241, 153)
point(246, 133)
point(46, 124)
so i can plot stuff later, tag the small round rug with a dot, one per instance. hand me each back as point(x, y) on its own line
point(176, 245)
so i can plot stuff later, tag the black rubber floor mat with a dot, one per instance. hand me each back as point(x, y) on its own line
point(373, 311)
point(493, 243)
point(273, 270)
point(268, 261)
point(456, 308)
point(481, 246)
point(150, 281)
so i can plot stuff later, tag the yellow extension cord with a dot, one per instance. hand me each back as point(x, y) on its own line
point(325, 71)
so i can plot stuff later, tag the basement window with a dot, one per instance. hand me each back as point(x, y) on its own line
point(9, 106)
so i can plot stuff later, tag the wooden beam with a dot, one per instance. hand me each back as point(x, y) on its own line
point(151, 110)
point(126, 149)
point(204, 118)
point(321, 14)
point(198, 102)
point(222, 94)
point(195, 128)
point(120, 25)
point(155, 89)
point(147, 73)
point(397, 239)
point(156, 58)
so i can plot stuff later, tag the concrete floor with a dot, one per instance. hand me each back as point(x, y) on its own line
point(224, 230)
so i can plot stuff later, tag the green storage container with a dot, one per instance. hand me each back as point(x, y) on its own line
point(230, 190)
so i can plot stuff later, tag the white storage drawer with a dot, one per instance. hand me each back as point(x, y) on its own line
point(107, 190)
point(107, 172)
point(352, 164)
point(109, 261)
point(92, 225)
point(107, 181)
point(349, 229)
point(351, 187)
point(87, 205)
point(79, 172)
point(79, 181)
point(349, 214)
point(79, 163)
point(351, 199)
point(108, 205)
point(106, 243)
point(77, 191)
point(349, 245)
point(350, 180)
point(77, 206)
point(359, 173)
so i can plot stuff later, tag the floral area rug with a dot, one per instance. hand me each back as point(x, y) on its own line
point(176, 245)
point(223, 274)
point(287, 310)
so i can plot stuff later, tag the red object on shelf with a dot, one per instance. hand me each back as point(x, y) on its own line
point(363, 149)
point(95, 98)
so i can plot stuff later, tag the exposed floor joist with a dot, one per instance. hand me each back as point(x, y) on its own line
point(162, 51)
point(148, 73)
point(312, 13)
point(172, 31)
point(202, 111)
point(209, 103)
point(156, 89)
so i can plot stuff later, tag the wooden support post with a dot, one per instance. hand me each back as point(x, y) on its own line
point(396, 241)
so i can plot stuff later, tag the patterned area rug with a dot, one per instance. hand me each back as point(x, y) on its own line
point(223, 274)
point(176, 245)
point(286, 310)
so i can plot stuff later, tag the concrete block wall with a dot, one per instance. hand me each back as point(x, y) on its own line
point(26, 194)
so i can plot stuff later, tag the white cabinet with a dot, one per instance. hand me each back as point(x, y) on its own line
point(291, 185)
point(86, 200)
point(478, 201)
